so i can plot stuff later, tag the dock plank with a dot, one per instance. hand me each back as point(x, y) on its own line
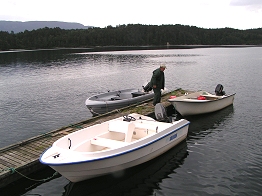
point(29, 151)
point(14, 160)
point(37, 148)
point(2, 167)
point(21, 155)
point(7, 162)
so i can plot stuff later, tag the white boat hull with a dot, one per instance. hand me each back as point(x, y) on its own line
point(78, 165)
point(190, 105)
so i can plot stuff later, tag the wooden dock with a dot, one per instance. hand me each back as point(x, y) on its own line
point(22, 159)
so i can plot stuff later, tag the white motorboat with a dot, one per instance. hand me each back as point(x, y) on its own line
point(113, 146)
point(201, 102)
point(107, 102)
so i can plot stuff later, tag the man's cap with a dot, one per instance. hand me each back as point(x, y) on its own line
point(162, 66)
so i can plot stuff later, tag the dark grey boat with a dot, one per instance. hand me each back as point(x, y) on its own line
point(106, 102)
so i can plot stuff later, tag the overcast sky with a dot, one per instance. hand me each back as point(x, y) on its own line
point(238, 14)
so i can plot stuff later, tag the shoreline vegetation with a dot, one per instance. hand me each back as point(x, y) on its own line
point(132, 36)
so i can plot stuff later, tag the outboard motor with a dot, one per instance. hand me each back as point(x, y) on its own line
point(147, 88)
point(161, 115)
point(219, 90)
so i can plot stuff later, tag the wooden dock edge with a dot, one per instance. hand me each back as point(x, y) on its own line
point(10, 172)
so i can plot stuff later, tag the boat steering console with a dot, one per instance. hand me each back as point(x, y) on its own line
point(128, 118)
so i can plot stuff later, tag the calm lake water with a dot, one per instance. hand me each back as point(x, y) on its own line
point(44, 90)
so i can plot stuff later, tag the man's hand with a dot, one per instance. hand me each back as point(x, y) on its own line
point(154, 86)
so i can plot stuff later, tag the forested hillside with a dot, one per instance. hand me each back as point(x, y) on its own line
point(128, 35)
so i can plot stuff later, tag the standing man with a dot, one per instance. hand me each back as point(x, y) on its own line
point(158, 83)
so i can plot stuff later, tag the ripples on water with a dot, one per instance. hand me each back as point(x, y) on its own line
point(45, 90)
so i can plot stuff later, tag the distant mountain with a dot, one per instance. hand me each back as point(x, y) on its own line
point(17, 26)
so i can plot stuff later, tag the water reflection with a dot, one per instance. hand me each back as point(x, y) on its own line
point(140, 180)
point(28, 183)
point(202, 171)
point(39, 57)
point(201, 125)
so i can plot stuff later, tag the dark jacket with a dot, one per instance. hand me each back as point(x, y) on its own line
point(158, 79)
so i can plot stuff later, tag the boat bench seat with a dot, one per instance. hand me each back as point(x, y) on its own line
point(123, 127)
point(211, 97)
point(109, 143)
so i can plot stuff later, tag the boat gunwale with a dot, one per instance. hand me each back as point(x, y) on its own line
point(112, 92)
point(89, 102)
point(201, 101)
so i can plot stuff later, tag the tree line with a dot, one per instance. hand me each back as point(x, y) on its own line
point(128, 35)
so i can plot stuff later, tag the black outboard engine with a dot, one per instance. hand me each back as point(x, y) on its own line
point(161, 114)
point(147, 88)
point(219, 90)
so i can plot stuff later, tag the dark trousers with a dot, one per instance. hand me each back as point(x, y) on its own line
point(157, 96)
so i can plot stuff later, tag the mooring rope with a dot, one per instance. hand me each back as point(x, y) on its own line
point(13, 170)
point(93, 111)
